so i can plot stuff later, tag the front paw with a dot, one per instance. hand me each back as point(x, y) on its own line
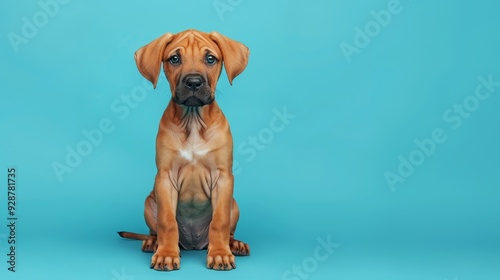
point(220, 259)
point(165, 260)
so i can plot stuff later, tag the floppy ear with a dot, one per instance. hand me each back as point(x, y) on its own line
point(149, 57)
point(234, 55)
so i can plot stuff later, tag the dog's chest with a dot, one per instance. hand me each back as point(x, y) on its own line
point(196, 168)
point(194, 151)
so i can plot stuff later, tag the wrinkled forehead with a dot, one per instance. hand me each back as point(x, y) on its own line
point(192, 43)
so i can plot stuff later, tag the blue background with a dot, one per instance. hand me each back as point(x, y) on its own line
point(322, 176)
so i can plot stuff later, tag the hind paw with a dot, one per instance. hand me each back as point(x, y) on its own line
point(150, 244)
point(239, 248)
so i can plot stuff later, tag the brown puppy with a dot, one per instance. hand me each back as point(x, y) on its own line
point(192, 204)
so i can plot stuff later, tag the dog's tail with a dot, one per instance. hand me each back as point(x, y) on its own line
point(132, 235)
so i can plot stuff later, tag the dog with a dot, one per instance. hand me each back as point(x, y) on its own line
point(191, 205)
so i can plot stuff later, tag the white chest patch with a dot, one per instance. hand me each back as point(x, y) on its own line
point(189, 154)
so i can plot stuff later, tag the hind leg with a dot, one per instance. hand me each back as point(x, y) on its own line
point(238, 248)
point(150, 214)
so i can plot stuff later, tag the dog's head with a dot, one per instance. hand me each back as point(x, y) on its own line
point(192, 61)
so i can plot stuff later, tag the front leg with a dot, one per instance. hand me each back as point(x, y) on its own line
point(167, 256)
point(219, 253)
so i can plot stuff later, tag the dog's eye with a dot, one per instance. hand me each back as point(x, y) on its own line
point(175, 59)
point(211, 59)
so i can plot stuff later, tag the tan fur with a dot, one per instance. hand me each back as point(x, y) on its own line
point(192, 201)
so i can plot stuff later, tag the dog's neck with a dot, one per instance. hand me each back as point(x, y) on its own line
point(194, 119)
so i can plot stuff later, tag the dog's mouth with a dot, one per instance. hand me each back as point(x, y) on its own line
point(193, 102)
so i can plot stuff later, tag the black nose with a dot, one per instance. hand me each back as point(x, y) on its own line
point(193, 82)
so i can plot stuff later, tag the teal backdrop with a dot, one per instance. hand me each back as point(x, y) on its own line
point(366, 137)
